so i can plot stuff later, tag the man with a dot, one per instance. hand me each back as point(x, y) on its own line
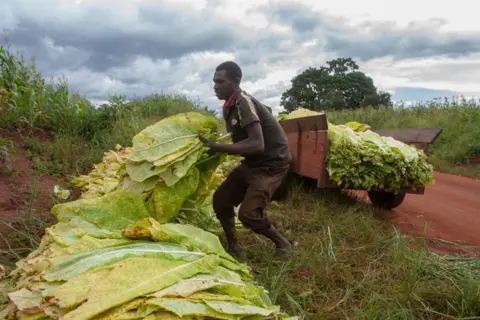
point(259, 138)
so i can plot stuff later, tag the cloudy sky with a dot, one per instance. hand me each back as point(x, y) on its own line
point(416, 49)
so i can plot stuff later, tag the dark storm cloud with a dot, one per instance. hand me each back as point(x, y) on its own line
point(370, 40)
point(402, 43)
point(157, 32)
point(299, 17)
point(105, 49)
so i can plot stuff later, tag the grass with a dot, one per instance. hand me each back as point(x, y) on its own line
point(31, 105)
point(350, 262)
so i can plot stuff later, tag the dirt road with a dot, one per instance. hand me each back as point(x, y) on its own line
point(450, 208)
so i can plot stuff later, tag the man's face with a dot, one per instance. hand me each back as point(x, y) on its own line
point(223, 85)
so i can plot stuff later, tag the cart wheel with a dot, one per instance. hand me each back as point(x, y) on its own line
point(386, 200)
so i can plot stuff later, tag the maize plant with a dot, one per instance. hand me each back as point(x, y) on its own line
point(6, 153)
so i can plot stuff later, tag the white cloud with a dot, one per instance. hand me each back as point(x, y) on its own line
point(105, 47)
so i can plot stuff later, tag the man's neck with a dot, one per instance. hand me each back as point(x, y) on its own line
point(228, 101)
point(235, 90)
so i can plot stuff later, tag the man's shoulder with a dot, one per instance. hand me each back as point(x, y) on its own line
point(248, 101)
point(245, 98)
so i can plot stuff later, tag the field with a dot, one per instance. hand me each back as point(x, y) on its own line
point(351, 262)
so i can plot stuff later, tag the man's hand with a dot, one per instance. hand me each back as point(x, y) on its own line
point(254, 143)
point(206, 142)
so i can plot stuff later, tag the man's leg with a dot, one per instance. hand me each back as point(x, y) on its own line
point(229, 195)
point(262, 185)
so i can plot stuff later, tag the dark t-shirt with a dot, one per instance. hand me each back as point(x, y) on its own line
point(244, 110)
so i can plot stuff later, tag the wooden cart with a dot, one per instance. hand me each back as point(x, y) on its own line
point(309, 145)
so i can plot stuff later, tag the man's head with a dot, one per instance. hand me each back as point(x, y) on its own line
point(226, 79)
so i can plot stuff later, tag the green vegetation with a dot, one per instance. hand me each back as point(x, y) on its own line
point(349, 95)
point(359, 158)
point(350, 263)
point(82, 132)
point(107, 253)
point(336, 86)
point(458, 143)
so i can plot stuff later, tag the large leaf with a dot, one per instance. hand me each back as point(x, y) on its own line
point(225, 280)
point(183, 308)
point(44, 259)
point(170, 135)
point(26, 300)
point(165, 202)
point(69, 232)
point(74, 265)
point(135, 277)
point(112, 211)
point(140, 171)
point(139, 187)
point(192, 237)
point(179, 169)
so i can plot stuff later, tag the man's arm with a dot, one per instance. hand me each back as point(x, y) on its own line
point(253, 144)
point(250, 121)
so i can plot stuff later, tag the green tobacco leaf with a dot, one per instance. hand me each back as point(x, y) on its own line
point(140, 171)
point(225, 280)
point(71, 231)
point(179, 169)
point(122, 311)
point(193, 238)
point(112, 211)
point(43, 260)
point(26, 300)
point(166, 316)
point(135, 277)
point(88, 243)
point(165, 202)
point(357, 126)
point(170, 135)
point(76, 290)
point(178, 156)
point(77, 264)
point(183, 308)
point(139, 187)
point(230, 307)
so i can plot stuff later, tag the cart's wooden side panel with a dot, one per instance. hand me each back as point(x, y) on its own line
point(308, 143)
point(308, 150)
point(418, 137)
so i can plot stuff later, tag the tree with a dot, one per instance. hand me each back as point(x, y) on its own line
point(338, 85)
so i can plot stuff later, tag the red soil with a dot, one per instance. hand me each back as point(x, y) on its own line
point(449, 211)
point(26, 191)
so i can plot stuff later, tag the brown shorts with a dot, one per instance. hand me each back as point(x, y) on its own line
point(253, 189)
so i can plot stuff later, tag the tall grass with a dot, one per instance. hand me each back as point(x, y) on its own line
point(82, 131)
